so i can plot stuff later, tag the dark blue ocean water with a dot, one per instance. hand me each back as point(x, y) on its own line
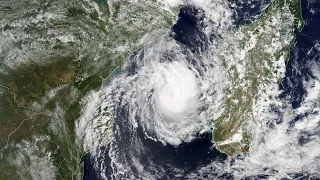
point(189, 156)
point(303, 55)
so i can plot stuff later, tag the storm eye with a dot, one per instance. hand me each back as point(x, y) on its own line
point(304, 138)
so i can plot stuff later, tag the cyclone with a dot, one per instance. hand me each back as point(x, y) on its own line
point(160, 89)
point(166, 96)
point(153, 117)
point(162, 102)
